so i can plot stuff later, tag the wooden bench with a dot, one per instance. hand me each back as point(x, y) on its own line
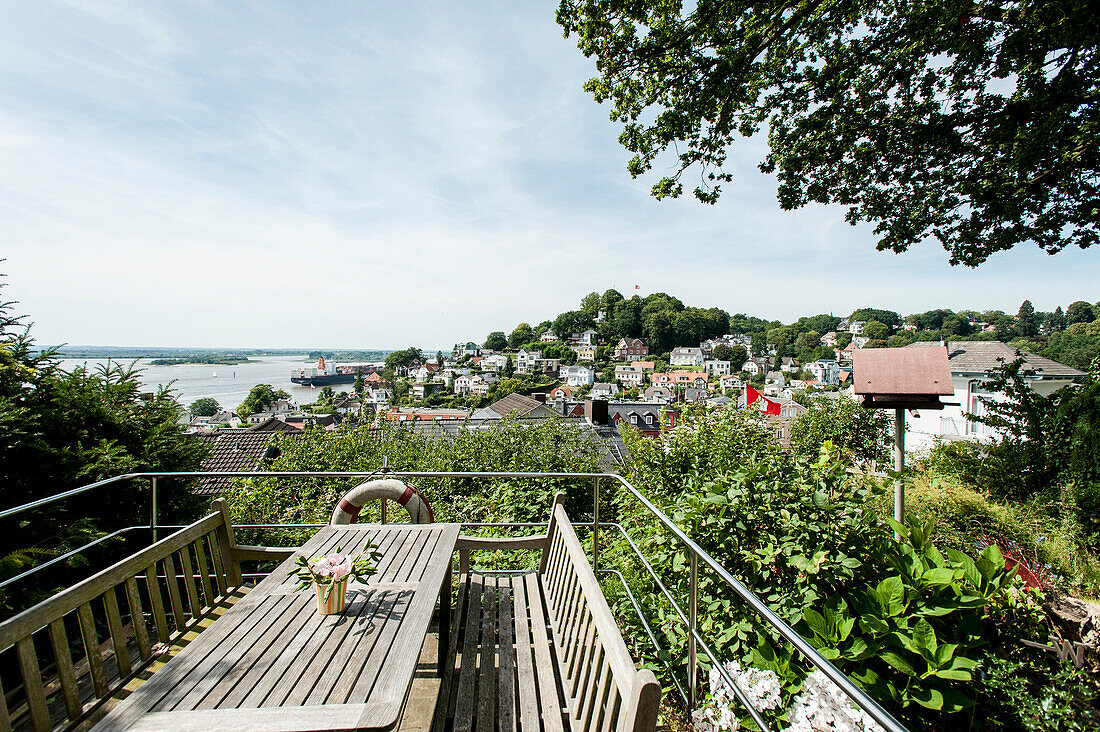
point(540, 650)
point(88, 644)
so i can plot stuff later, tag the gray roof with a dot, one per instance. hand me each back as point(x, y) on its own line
point(983, 357)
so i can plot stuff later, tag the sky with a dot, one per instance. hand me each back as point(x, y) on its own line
point(378, 175)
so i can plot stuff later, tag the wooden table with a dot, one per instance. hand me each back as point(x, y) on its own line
point(273, 663)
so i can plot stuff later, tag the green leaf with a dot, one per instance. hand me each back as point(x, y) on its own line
point(953, 674)
point(939, 577)
point(816, 622)
point(945, 652)
point(966, 564)
point(926, 697)
point(892, 591)
point(899, 662)
point(873, 625)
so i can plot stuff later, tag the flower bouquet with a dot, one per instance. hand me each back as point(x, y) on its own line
point(330, 573)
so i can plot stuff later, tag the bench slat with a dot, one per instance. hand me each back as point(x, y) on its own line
point(548, 690)
point(464, 706)
point(5, 715)
point(118, 636)
point(156, 603)
point(204, 572)
point(32, 684)
point(172, 583)
point(188, 571)
point(91, 649)
point(487, 669)
point(507, 678)
point(219, 571)
point(59, 641)
point(137, 619)
point(525, 667)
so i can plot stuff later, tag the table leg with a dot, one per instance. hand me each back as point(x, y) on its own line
point(445, 618)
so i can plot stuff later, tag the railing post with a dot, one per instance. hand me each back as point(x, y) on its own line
point(153, 508)
point(595, 523)
point(693, 625)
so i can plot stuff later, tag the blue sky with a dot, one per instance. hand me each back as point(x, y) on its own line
point(382, 174)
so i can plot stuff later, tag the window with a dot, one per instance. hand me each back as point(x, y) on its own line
point(633, 419)
point(649, 419)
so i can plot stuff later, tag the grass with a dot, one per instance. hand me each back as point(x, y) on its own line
point(1044, 526)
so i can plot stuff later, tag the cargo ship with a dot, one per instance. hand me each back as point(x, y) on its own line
point(320, 375)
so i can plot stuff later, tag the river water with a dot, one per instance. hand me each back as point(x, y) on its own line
point(228, 384)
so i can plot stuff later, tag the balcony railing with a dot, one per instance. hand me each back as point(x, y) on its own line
point(699, 560)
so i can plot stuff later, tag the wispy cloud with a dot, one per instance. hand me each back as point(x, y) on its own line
point(351, 175)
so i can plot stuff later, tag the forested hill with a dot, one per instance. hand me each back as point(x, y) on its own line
point(1070, 335)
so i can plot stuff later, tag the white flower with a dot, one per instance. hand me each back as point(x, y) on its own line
point(824, 707)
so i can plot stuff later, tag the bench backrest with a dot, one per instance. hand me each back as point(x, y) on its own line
point(173, 582)
point(604, 689)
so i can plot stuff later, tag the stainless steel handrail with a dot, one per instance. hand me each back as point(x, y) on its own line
point(856, 694)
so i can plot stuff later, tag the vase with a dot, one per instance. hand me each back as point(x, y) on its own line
point(336, 600)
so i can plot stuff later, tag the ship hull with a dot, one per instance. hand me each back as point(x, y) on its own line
point(326, 380)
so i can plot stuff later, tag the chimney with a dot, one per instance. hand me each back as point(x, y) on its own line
point(595, 411)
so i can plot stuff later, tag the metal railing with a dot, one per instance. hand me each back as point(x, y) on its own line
point(696, 554)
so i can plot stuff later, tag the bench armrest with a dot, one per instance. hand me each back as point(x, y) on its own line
point(243, 552)
point(466, 544)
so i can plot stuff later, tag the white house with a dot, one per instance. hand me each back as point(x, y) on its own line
point(973, 363)
point(716, 368)
point(494, 363)
point(526, 360)
point(462, 350)
point(825, 371)
point(755, 366)
point(600, 389)
point(548, 336)
point(732, 381)
point(829, 339)
point(686, 356)
point(577, 375)
point(629, 376)
point(587, 338)
point(788, 365)
point(855, 327)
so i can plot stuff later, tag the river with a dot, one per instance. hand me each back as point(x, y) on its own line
point(228, 384)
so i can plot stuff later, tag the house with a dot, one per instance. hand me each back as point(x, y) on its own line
point(775, 377)
point(587, 338)
point(494, 363)
point(716, 368)
point(662, 379)
point(972, 364)
point(602, 389)
point(427, 372)
point(644, 417)
point(424, 389)
point(462, 383)
point(480, 386)
point(777, 413)
point(661, 394)
point(424, 414)
point(513, 405)
point(548, 366)
point(829, 339)
point(825, 370)
point(629, 376)
point(756, 366)
point(860, 341)
point(855, 327)
point(577, 375)
point(732, 381)
point(585, 353)
point(689, 378)
point(462, 350)
point(844, 355)
point(644, 365)
point(631, 349)
point(548, 336)
point(241, 450)
point(788, 365)
point(686, 356)
point(526, 360)
point(381, 393)
point(696, 395)
point(561, 393)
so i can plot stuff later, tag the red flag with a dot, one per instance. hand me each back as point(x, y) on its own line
point(770, 407)
point(637, 287)
point(751, 395)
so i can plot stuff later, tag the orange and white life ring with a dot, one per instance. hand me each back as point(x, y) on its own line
point(390, 488)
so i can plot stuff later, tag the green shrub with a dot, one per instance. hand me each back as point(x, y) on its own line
point(861, 435)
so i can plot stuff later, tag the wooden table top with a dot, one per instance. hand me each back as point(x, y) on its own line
point(272, 662)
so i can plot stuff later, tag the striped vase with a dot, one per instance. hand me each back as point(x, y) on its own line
point(336, 600)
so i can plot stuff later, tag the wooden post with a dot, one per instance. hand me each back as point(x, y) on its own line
point(899, 466)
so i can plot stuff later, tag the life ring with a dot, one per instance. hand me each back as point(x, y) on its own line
point(395, 490)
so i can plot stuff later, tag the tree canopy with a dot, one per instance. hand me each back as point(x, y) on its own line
point(973, 123)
